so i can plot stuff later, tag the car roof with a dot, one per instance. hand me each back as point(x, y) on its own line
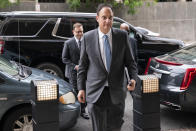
point(26, 14)
point(44, 14)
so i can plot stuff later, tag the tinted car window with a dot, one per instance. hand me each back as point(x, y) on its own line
point(46, 32)
point(6, 66)
point(23, 27)
point(65, 29)
point(117, 24)
point(66, 24)
point(186, 54)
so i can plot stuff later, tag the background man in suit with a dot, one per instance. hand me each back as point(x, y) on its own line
point(133, 41)
point(71, 56)
point(104, 55)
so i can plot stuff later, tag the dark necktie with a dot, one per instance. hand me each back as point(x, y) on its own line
point(107, 51)
point(79, 44)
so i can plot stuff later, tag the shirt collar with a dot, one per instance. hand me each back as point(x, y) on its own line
point(101, 34)
point(77, 39)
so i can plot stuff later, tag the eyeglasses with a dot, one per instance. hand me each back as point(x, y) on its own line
point(78, 32)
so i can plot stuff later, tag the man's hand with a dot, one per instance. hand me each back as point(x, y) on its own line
point(131, 85)
point(81, 96)
point(76, 67)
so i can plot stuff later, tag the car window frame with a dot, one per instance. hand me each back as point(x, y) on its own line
point(19, 36)
point(56, 27)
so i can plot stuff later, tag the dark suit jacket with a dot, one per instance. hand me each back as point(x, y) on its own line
point(70, 56)
point(92, 73)
point(133, 43)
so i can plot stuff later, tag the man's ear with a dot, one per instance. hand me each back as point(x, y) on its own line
point(97, 18)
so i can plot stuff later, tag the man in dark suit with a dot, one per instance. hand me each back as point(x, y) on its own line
point(133, 42)
point(105, 53)
point(71, 56)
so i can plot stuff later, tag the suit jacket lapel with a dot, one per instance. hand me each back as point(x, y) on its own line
point(114, 46)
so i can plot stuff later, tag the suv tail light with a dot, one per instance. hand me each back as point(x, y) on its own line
point(188, 77)
point(167, 62)
point(147, 66)
point(1, 45)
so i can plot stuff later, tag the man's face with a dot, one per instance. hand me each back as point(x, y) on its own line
point(78, 32)
point(105, 19)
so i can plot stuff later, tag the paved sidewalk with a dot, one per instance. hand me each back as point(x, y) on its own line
point(170, 120)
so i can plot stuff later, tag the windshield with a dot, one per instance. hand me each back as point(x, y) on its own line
point(7, 67)
point(187, 54)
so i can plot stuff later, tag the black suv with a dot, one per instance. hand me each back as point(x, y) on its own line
point(36, 38)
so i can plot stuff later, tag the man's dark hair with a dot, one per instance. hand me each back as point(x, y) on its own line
point(100, 6)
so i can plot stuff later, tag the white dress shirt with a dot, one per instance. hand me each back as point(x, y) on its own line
point(101, 44)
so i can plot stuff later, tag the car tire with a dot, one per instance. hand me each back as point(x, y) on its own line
point(20, 118)
point(51, 68)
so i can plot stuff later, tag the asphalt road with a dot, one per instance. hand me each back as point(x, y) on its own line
point(170, 120)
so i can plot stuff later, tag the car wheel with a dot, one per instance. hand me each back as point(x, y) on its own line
point(52, 69)
point(19, 120)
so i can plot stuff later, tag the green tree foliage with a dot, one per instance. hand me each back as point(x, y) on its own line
point(73, 3)
point(5, 3)
point(132, 4)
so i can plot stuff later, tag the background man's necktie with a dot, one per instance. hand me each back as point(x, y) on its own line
point(107, 51)
point(79, 44)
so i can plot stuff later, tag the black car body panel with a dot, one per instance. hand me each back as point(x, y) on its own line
point(177, 73)
point(36, 38)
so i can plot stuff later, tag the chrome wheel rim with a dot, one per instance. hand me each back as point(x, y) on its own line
point(50, 71)
point(24, 123)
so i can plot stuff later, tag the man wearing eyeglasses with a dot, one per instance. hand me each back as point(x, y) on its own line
point(71, 56)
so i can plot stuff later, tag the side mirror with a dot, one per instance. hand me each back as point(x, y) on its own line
point(138, 36)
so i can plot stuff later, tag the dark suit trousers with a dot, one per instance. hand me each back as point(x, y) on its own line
point(105, 115)
point(73, 81)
